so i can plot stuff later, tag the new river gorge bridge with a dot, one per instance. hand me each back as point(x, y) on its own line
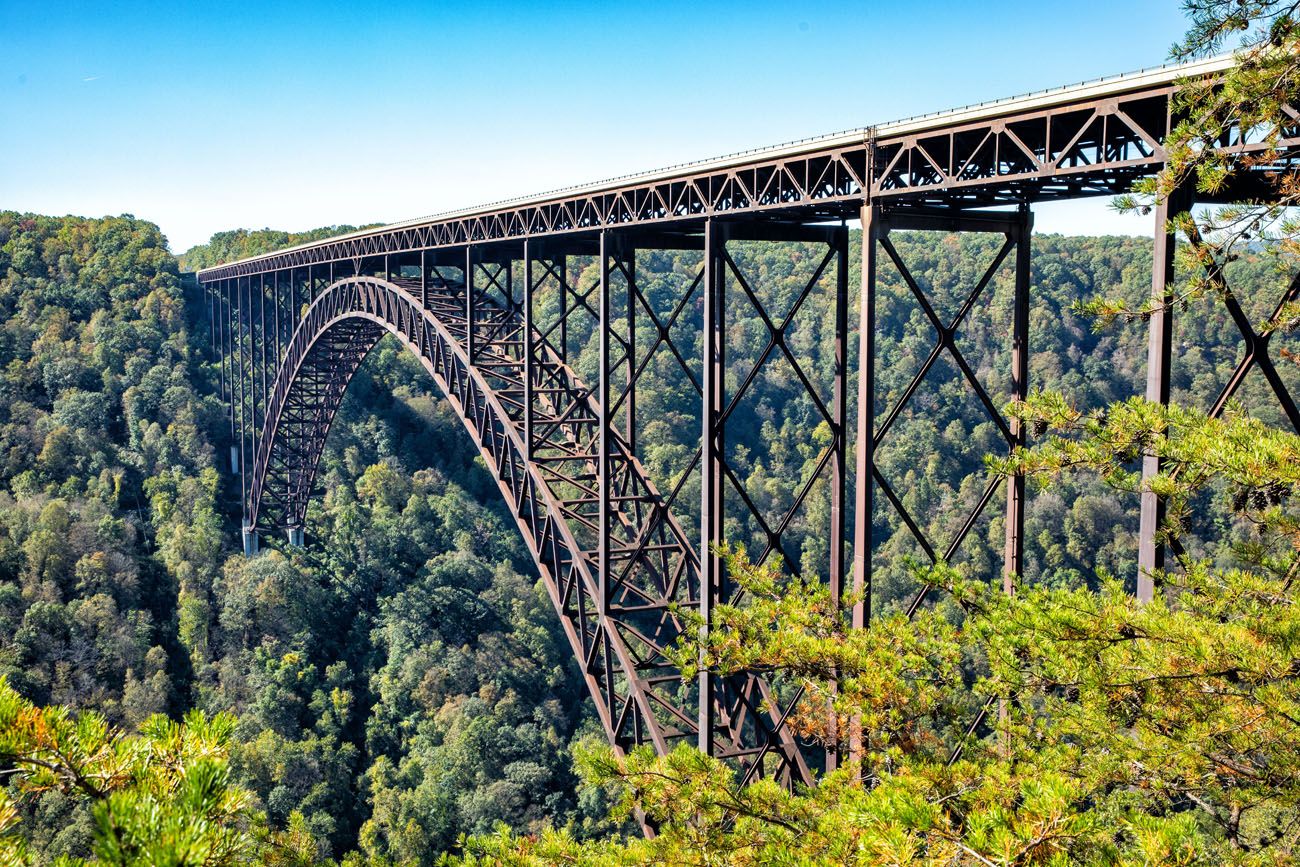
point(544, 319)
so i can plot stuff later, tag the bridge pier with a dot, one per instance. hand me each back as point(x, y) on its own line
point(1255, 355)
point(878, 221)
point(1151, 552)
point(251, 546)
point(1016, 230)
point(294, 535)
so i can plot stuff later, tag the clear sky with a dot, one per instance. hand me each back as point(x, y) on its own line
point(216, 115)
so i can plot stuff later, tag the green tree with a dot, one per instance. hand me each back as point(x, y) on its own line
point(1128, 733)
point(162, 796)
point(1250, 104)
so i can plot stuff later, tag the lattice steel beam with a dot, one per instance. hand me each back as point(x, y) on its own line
point(1090, 140)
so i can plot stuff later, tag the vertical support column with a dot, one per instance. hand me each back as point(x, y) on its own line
point(259, 405)
point(222, 355)
point(530, 351)
point(250, 391)
point(629, 262)
point(1013, 553)
point(512, 303)
point(214, 310)
point(263, 347)
point(607, 249)
point(232, 331)
point(275, 309)
point(1151, 553)
point(232, 336)
point(711, 478)
point(864, 483)
point(424, 280)
point(256, 372)
point(244, 384)
point(222, 296)
point(211, 296)
point(839, 410)
point(212, 317)
point(214, 320)
point(562, 273)
point(469, 302)
point(872, 227)
point(230, 374)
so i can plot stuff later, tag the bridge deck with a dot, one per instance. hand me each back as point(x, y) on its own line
point(1094, 138)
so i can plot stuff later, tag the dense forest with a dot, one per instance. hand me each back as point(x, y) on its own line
point(402, 680)
point(398, 683)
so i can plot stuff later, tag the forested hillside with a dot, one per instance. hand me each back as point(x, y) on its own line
point(398, 683)
point(402, 680)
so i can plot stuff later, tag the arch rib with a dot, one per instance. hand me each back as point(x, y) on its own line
point(618, 637)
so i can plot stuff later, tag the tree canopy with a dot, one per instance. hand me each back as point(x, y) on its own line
point(399, 692)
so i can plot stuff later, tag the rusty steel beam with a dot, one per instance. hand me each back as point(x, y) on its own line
point(864, 486)
point(530, 351)
point(1013, 556)
point(714, 347)
point(619, 623)
point(603, 470)
point(1015, 229)
point(1256, 356)
point(635, 563)
point(1151, 553)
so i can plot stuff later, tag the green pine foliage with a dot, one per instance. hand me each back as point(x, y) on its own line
point(1065, 723)
point(399, 692)
point(1119, 733)
point(160, 796)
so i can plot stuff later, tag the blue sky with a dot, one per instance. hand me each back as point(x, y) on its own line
point(209, 116)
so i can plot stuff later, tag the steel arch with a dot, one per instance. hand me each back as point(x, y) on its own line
point(618, 634)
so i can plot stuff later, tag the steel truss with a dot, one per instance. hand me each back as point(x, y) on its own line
point(502, 306)
point(1015, 229)
point(1090, 144)
point(1256, 355)
point(617, 561)
point(875, 421)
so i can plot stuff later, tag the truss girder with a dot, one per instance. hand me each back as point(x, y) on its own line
point(1015, 230)
point(1089, 146)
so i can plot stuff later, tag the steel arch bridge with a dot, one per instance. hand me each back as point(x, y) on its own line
point(506, 305)
point(613, 584)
